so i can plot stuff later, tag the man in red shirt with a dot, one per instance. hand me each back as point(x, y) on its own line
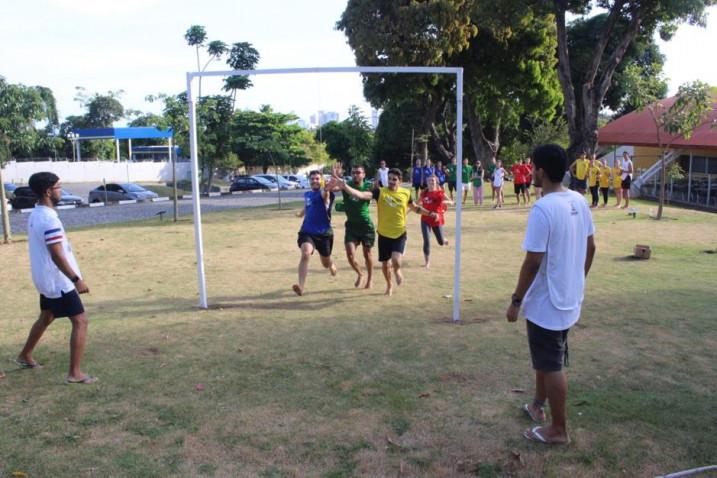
point(528, 180)
point(519, 178)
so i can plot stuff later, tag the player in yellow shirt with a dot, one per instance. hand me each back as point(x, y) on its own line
point(592, 174)
point(393, 203)
point(579, 170)
point(617, 181)
point(604, 180)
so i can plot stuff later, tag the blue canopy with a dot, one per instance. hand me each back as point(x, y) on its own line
point(141, 132)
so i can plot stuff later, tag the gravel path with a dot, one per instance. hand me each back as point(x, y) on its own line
point(90, 216)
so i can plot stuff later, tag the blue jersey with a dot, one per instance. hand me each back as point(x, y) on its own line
point(441, 174)
point(427, 173)
point(417, 176)
point(317, 216)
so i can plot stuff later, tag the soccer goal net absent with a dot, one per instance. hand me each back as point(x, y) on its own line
point(408, 70)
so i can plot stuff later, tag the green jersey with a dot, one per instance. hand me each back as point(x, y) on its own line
point(478, 177)
point(466, 174)
point(451, 168)
point(357, 213)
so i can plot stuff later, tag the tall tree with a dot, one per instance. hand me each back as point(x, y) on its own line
point(349, 141)
point(196, 35)
point(626, 21)
point(242, 56)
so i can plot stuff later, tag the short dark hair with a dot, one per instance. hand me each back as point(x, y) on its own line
point(552, 159)
point(41, 182)
point(315, 171)
point(395, 172)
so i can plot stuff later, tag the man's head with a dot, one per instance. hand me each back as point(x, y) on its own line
point(550, 163)
point(439, 164)
point(428, 163)
point(520, 161)
point(625, 155)
point(315, 180)
point(418, 163)
point(46, 185)
point(478, 164)
point(394, 178)
point(382, 164)
point(528, 160)
point(358, 174)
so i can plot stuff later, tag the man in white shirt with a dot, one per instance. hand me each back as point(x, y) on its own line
point(56, 276)
point(559, 247)
point(626, 177)
point(383, 174)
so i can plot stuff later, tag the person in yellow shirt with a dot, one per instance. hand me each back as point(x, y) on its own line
point(593, 174)
point(579, 170)
point(617, 181)
point(604, 180)
point(393, 203)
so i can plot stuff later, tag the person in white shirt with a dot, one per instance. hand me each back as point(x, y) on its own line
point(627, 171)
point(559, 247)
point(383, 174)
point(56, 276)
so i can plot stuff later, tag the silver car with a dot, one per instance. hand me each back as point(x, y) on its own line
point(120, 192)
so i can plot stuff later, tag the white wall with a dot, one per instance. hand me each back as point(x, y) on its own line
point(96, 171)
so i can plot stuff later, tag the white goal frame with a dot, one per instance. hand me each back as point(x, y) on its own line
point(458, 72)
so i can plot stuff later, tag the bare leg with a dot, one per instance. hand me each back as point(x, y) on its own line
point(38, 328)
point(556, 389)
point(77, 345)
point(465, 196)
point(540, 396)
point(351, 257)
point(618, 197)
point(626, 196)
point(369, 266)
point(306, 250)
point(386, 268)
point(396, 264)
point(328, 264)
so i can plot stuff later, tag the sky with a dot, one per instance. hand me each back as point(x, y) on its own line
point(138, 46)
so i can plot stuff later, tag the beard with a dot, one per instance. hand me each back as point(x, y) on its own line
point(55, 201)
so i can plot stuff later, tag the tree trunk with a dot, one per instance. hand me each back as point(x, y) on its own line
point(7, 235)
point(483, 149)
point(663, 176)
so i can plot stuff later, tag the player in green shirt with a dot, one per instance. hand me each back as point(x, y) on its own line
point(451, 173)
point(466, 173)
point(359, 226)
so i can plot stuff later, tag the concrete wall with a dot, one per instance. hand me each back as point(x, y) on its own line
point(95, 171)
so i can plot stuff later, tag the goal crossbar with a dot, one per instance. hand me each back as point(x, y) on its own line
point(458, 72)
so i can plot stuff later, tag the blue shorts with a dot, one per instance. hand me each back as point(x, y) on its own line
point(67, 305)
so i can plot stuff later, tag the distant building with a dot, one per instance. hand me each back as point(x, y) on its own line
point(374, 118)
point(323, 118)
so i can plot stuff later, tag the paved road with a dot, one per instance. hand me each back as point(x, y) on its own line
point(86, 216)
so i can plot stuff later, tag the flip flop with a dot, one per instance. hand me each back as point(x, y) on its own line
point(86, 380)
point(534, 435)
point(24, 364)
point(534, 418)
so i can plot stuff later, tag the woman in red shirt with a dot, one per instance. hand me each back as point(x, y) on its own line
point(434, 200)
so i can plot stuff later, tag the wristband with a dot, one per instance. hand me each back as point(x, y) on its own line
point(515, 301)
point(75, 279)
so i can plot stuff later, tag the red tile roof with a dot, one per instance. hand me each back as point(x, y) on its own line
point(638, 129)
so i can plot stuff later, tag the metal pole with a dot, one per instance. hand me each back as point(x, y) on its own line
point(7, 236)
point(117, 152)
point(709, 186)
point(689, 181)
point(459, 189)
point(129, 155)
point(174, 181)
point(195, 194)
point(79, 153)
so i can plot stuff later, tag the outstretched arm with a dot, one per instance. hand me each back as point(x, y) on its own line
point(341, 185)
point(421, 210)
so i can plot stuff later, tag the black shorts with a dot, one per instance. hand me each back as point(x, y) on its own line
point(581, 184)
point(519, 188)
point(548, 348)
point(387, 246)
point(625, 184)
point(451, 185)
point(322, 243)
point(67, 305)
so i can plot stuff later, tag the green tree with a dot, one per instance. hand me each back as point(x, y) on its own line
point(242, 56)
point(196, 35)
point(349, 141)
point(584, 91)
point(672, 121)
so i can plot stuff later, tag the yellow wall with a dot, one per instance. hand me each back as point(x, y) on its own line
point(645, 157)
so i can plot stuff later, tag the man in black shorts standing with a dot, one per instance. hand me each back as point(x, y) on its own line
point(315, 232)
point(56, 276)
point(559, 247)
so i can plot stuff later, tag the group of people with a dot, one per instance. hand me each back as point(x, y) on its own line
point(559, 247)
point(597, 177)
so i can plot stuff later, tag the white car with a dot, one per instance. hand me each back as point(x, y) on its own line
point(301, 181)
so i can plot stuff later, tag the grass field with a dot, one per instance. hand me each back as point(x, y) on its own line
point(346, 382)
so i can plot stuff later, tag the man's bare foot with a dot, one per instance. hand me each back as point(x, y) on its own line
point(389, 290)
point(332, 269)
point(399, 277)
point(546, 435)
point(358, 280)
point(445, 242)
point(369, 284)
point(297, 289)
point(427, 265)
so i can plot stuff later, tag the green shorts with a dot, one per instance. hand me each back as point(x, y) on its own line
point(363, 234)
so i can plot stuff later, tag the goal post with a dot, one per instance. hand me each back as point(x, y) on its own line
point(458, 72)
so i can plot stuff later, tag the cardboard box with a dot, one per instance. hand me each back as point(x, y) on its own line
point(642, 251)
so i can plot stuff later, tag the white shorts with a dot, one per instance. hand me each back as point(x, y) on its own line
point(466, 186)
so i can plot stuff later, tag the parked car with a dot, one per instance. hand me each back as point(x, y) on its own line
point(9, 190)
point(25, 198)
point(120, 192)
point(301, 181)
point(283, 183)
point(249, 183)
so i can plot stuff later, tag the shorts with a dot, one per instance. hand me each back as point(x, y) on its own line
point(68, 304)
point(322, 243)
point(466, 186)
point(519, 188)
point(581, 184)
point(387, 246)
point(625, 184)
point(451, 185)
point(548, 348)
point(364, 235)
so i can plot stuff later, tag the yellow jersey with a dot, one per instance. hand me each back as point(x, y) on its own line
point(617, 177)
point(593, 172)
point(605, 177)
point(392, 208)
point(581, 168)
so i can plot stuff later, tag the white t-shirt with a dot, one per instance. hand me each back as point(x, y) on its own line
point(383, 176)
point(626, 167)
point(559, 225)
point(44, 228)
point(498, 176)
